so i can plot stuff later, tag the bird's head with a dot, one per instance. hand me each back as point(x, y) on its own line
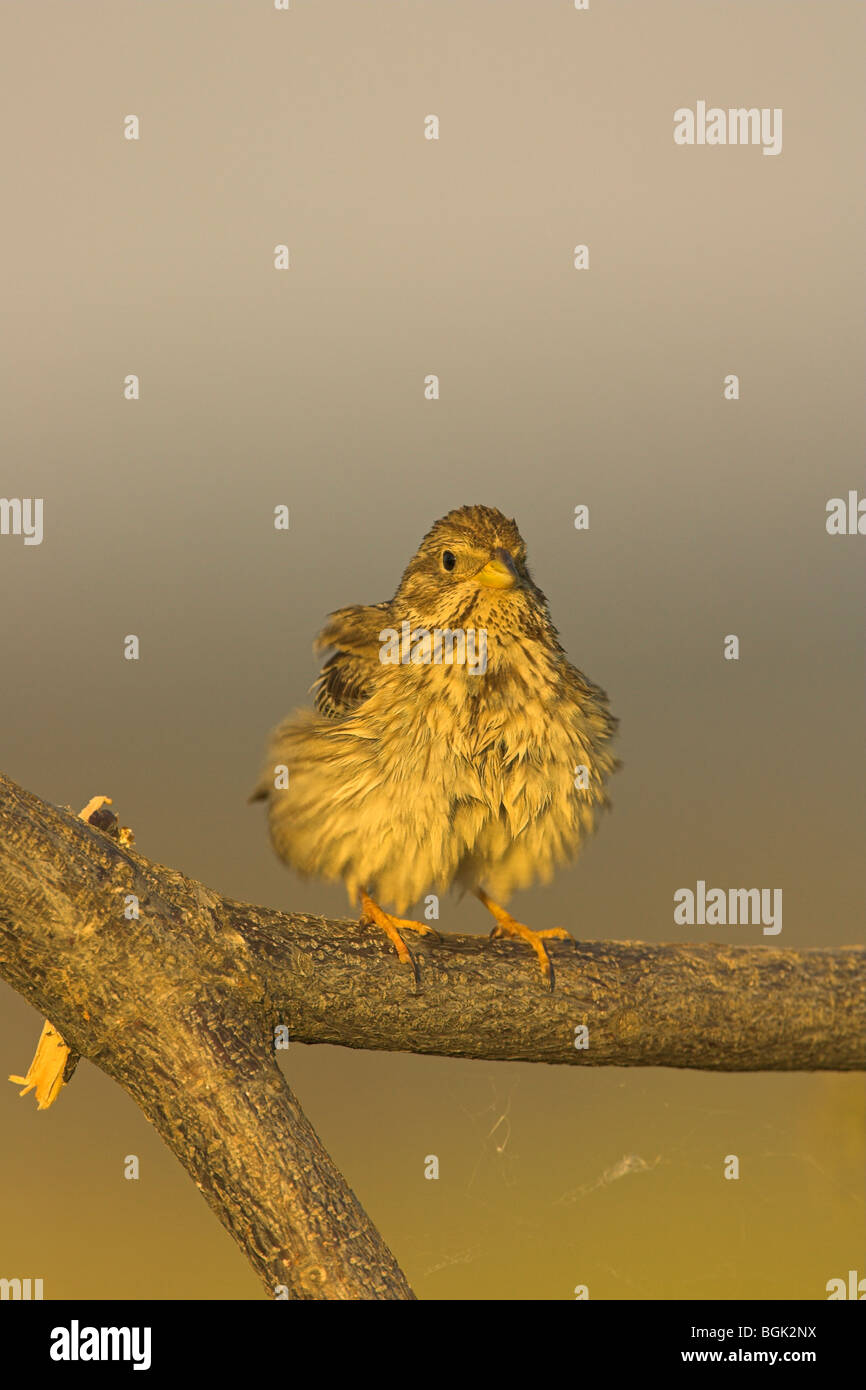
point(470, 571)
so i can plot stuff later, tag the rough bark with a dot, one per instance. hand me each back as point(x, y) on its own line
point(180, 1008)
point(174, 1008)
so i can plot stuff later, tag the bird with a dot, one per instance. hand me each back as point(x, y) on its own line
point(452, 743)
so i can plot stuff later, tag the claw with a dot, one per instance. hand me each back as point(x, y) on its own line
point(506, 925)
point(392, 926)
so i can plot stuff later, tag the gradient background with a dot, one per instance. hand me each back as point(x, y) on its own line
point(602, 387)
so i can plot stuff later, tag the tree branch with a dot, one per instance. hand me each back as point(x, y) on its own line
point(180, 1008)
point(174, 1008)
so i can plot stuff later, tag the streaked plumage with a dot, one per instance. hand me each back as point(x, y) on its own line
point(410, 778)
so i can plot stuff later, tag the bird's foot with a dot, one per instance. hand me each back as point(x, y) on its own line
point(392, 927)
point(506, 925)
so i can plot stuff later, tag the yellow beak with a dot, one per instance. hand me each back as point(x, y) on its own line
point(497, 575)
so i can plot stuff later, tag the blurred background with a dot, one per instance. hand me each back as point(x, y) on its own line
point(602, 387)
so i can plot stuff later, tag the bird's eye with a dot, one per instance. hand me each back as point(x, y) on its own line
point(449, 559)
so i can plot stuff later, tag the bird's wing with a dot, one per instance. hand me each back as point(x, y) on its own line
point(346, 677)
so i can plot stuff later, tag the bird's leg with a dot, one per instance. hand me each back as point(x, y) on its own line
point(507, 926)
point(392, 926)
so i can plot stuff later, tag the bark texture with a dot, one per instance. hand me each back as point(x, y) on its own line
point(180, 1008)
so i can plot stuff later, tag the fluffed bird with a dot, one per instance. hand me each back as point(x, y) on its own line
point(453, 743)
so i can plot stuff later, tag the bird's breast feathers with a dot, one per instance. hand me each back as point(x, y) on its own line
point(442, 773)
